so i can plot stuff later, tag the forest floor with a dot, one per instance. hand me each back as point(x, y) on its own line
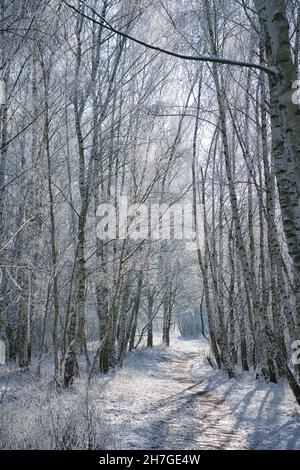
point(164, 398)
point(174, 400)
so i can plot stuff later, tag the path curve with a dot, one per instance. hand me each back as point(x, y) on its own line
point(193, 417)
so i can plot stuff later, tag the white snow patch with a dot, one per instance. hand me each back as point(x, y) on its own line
point(254, 415)
point(163, 398)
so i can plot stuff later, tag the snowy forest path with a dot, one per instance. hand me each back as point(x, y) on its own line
point(170, 398)
point(189, 416)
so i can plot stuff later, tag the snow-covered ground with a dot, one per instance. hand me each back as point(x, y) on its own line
point(165, 398)
point(172, 399)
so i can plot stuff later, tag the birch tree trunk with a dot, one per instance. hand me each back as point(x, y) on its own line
point(285, 124)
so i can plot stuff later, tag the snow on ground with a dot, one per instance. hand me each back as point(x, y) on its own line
point(268, 413)
point(170, 399)
point(165, 398)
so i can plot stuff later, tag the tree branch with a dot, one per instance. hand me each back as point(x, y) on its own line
point(219, 60)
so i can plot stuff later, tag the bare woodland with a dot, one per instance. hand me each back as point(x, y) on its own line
point(167, 101)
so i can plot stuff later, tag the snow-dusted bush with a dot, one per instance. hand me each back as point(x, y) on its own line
point(46, 419)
